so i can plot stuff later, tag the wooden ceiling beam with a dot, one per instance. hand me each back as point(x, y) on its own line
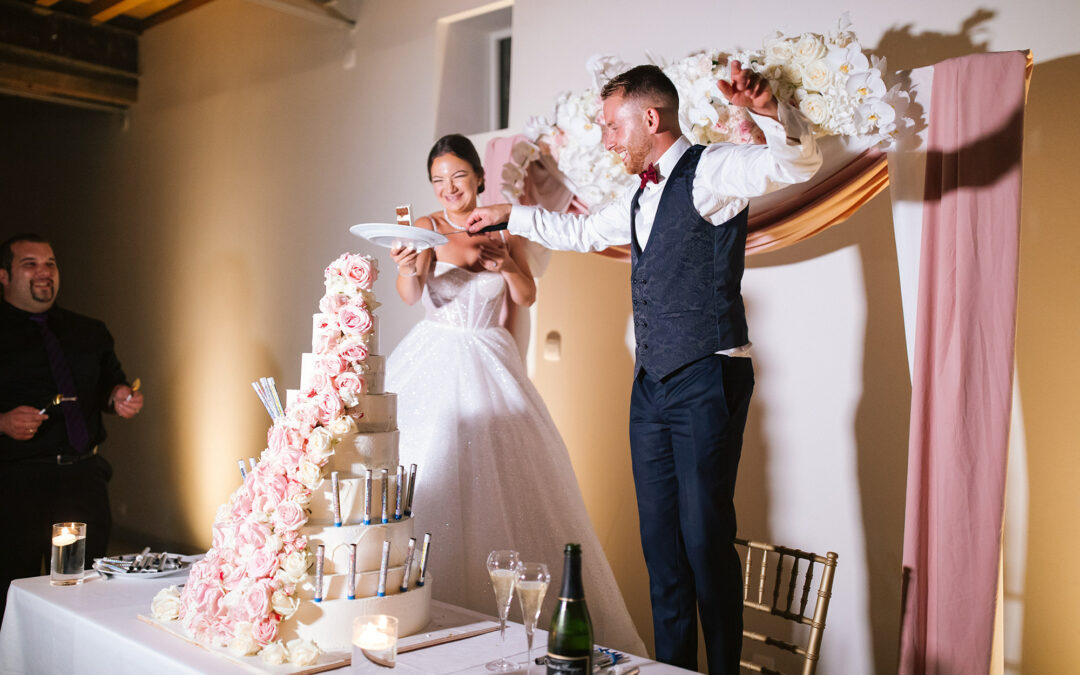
point(104, 10)
point(46, 3)
point(171, 12)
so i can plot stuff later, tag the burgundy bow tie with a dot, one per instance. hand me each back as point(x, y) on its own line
point(649, 174)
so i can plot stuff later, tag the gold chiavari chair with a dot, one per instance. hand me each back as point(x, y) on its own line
point(777, 582)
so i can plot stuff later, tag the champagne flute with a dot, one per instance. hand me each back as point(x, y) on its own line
point(531, 586)
point(502, 567)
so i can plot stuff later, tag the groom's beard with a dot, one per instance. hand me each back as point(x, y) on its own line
point(42, 292)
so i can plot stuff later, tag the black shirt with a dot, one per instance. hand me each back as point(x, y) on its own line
point(25, 377)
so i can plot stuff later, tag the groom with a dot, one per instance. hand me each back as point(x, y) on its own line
point(686, 224)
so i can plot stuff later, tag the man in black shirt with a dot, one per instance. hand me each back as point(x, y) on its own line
point(49, 467)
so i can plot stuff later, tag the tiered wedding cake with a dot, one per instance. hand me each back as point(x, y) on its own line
point(257, 590)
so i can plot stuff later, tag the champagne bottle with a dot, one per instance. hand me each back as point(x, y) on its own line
point(570, 641)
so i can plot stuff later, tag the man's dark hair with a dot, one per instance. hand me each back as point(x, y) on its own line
point(6, 255)
point(460, 147)
point(644, 82)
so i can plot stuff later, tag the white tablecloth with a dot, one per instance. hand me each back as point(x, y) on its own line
point(93, 628)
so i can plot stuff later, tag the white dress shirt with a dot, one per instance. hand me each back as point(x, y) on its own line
point(728, 175)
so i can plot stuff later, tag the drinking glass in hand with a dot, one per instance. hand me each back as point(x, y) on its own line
point(531, 586)
point(502, 567)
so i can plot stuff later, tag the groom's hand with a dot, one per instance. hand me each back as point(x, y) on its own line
point(748, 89)
point(483, 216)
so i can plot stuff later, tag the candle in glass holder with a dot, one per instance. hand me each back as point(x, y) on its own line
point(374, 643)
point(68, 554)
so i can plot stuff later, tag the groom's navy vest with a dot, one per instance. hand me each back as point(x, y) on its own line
point(686, 283)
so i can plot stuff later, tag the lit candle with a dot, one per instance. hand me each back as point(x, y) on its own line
point(374, 643)
point(68, 554)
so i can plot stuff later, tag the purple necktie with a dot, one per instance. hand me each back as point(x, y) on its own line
point(78, 436)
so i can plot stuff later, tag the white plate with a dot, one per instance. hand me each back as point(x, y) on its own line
point(186, 562)
point(388, 235)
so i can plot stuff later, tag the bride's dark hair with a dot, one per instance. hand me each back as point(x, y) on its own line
point(460, 147)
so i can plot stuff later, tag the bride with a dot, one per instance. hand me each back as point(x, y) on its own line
point(493, 470)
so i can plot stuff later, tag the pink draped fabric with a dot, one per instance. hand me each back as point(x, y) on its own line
point(962, 383)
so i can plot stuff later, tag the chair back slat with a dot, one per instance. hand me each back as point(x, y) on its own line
point(782, 605)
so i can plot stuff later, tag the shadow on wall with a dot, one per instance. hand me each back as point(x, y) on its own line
point(1043, 637)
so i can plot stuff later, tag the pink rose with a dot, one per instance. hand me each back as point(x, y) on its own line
point(265, 630)
point(355, 319)
point(330, 405)
point(350, 382)
point(262, 563)
point(253, 533)
point(256, 603)
point(282, 436)
point(324, 340)
point(329, 364)
point(329, 306)
point(205, 597)
point(359, 269)
point(288, 517)
point(353, 351)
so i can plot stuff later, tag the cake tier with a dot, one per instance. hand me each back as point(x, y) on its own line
point(351, 499)
point(355, 452)
point(369, 544)
point(380, 413)
point(329, 623)
point(374, 372)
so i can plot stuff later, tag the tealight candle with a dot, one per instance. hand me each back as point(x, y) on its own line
point(68, 554)
point(374, 643)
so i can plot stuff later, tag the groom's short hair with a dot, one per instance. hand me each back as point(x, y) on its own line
point(647, 83)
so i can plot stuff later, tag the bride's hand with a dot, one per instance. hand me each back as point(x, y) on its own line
point(405, 258)
point(494, 256)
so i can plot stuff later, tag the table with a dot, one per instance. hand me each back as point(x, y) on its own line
point(93, 628)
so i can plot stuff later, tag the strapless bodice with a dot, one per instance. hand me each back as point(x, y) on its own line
point(464, 299)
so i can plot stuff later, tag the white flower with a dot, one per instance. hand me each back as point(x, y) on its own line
point(809, 48)
point(524, 153)
point(584, 130)
point(309, 474)
point(275, 653)
point(166, 604)
point(342, 425)
point(875, 113)
point(816, 75)
point(865, 85)
point(815, 108)
point(295, 566)
point(603, 68)
point(242, 642)
point(284, 604)
point(303, 652)
point(847, 60)
point(778, 51)
point(319, 445)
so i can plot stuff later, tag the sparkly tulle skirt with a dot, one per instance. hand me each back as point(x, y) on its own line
point(493, 473)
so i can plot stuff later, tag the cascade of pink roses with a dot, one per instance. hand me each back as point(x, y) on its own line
point(247, 584)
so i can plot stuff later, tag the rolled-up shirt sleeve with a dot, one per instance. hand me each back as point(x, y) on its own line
point(728, 174)
point(609, 226)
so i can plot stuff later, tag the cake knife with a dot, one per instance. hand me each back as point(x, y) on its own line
point(490, 228)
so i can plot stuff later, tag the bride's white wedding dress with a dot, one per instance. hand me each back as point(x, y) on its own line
point(493, 470)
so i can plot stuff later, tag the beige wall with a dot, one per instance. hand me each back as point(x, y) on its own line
point(198, 227)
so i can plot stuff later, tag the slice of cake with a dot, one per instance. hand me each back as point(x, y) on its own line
point(404, 214)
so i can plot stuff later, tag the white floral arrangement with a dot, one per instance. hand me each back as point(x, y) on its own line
point(248, 582)
point(828, 77)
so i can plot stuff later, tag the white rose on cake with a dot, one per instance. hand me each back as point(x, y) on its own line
point(275, 653)
point(284, 604)
point(166, 604)
point(319, 446)
point(303, 652)
point(242, 642)
point(295, 566)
